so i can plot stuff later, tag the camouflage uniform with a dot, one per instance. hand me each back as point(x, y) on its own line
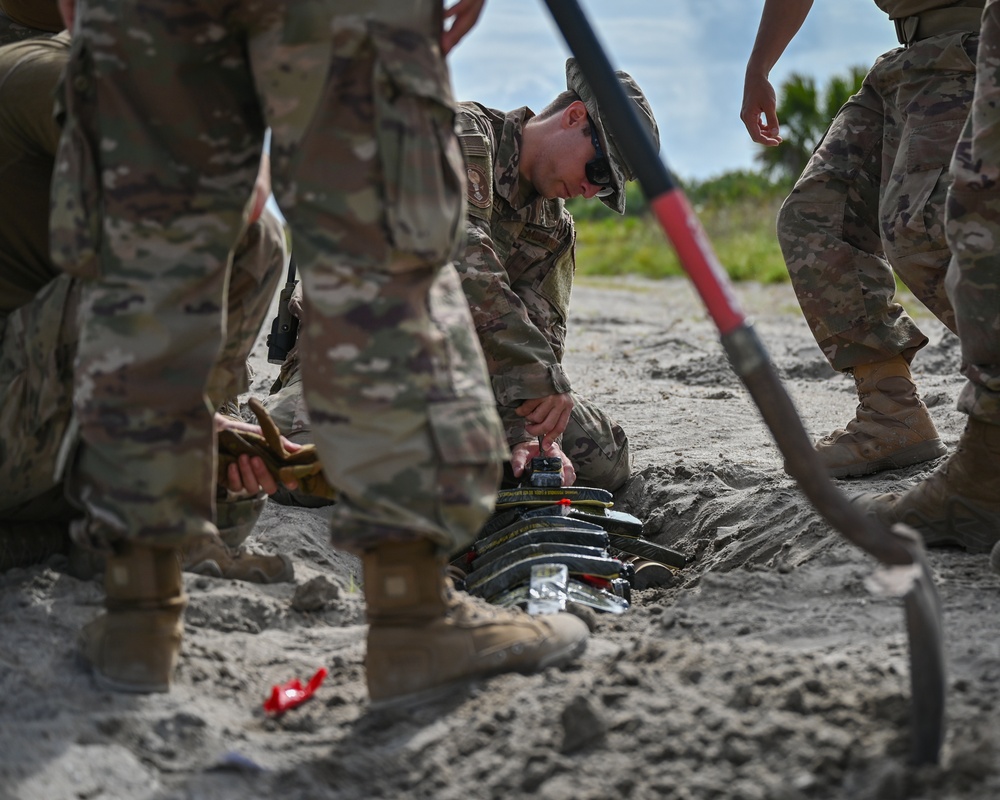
point(517, 273)
point(959, 503)
point(39, 306)
point(973, 220)
point(28, 19)
point(170, 105)
point(870, 202)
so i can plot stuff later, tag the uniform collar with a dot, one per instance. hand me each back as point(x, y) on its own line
point(509, 184)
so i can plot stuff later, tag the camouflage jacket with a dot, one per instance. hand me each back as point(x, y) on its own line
point(517, 267)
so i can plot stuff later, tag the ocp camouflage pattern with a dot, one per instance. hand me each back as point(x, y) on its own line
point(366, 170)
point(870, 204)
point(973, 219)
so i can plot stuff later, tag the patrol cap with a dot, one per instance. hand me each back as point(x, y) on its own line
point(620, 169)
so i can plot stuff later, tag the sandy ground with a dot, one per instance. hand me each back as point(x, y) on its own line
point(767, 670)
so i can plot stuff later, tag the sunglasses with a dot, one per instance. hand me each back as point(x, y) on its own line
point(598, 169)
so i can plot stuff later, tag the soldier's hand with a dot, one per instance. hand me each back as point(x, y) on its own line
point(248, 473)
point(463, 16)
point(547, 416)
point(759, 111)
point(297, 467)
point(521, 455)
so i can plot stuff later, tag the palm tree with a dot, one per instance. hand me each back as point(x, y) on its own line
point(804, 116)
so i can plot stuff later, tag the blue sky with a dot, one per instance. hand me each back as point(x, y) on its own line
point(688, 55)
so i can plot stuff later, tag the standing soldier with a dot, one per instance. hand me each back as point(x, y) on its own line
point(869, 206)
point(39, 331)
point(169, 105)
point(959, 504)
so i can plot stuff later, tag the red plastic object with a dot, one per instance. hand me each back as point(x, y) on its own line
point(293, 693)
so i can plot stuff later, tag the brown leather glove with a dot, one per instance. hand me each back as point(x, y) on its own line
point(302, 466)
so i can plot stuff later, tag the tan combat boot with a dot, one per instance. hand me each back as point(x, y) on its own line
point(134, 646)
point(424, 636)
point(208, 554)
point(959, 504)
point(891, 429)
point(222, 556)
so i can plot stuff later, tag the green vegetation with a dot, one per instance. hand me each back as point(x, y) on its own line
point(805, 113)
point(737, 209)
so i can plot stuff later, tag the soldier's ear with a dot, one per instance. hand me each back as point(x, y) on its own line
point(574, 115)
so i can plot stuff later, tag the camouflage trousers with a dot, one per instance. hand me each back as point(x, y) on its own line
point(973, 220)
point(37, 352)
point(869, 205)
point(168, 108)
point(597, 446)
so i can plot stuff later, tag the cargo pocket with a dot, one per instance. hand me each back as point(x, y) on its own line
point(467, 431)
point(420, 156)
point(925, 186)
point(557, 284)
point(75, 224)
point(471, 446)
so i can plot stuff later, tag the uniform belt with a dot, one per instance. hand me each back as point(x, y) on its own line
point(938, 22)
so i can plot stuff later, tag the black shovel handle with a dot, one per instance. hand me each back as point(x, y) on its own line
point(750, 361)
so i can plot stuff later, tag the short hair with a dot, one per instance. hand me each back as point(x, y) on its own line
point(565, 98)
point(563, 101)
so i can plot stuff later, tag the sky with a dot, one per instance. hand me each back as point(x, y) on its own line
point(688, 56)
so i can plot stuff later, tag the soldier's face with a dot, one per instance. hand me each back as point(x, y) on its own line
point(562, 169)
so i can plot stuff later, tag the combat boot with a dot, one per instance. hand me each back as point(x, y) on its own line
point(891, 429)
point(208, 554)
point(222, 556)
point(959, 504)
point(425, 637)
point(134, 645)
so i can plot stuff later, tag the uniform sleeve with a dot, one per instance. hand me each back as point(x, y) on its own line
point(522, 341)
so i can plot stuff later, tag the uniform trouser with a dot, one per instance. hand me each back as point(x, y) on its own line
point(870, 204)
point(973, 218)
point(367, 171)
point(36, 370)
point(597, 446)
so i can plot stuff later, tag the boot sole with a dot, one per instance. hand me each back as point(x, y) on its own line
point(404, 702)
point(915, 454)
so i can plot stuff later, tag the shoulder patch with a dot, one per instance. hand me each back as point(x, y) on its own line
point(478, 186)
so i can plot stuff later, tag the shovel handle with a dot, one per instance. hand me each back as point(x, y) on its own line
point(750, 361)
